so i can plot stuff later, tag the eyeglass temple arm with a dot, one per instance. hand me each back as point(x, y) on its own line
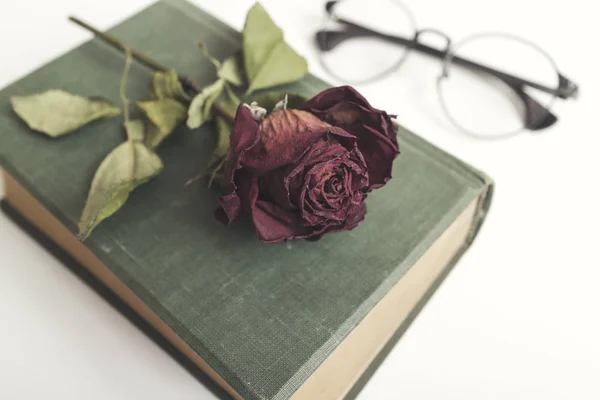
point(327, 40)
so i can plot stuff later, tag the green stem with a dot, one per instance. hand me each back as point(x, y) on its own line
point(148, 62)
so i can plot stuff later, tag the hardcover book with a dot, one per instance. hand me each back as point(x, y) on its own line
point(298, 320)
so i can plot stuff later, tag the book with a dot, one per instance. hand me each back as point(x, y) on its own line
point(298, 320)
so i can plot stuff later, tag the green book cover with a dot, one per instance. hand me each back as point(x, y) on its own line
point(262, 317)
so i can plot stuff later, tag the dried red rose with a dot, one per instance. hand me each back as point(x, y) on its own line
point(305, 172)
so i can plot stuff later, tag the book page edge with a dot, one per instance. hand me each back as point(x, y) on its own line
point(335, 377)
point(20, 199)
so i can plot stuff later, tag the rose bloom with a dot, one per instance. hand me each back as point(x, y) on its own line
point(301, 173)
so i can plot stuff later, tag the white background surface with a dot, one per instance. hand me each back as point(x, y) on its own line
point(519, 317)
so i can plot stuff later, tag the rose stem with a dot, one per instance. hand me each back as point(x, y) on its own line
point(148, 62)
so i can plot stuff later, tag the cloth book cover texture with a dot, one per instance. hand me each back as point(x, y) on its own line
point(263, 317)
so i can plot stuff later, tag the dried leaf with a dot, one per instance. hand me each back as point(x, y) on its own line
point(166, 115)
point(269, 100)
point(56, 112)
point(166, 85)
point(214, 168)
point(223, 139)
point(268, 60)
point(217, 159)
point(230, 100)
point(135, 130)
point(281, 104)
point(200, 108)
point(258, 113)
point(210, 58)
point(231, 70)
point(126, 167)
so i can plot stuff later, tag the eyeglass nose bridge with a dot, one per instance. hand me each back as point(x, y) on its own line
point(443, 52)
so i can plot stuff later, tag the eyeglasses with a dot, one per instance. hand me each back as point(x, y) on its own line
point(491, 85)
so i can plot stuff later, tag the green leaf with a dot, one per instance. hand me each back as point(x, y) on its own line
point(165, 115)
point(56, 112)
point(126, 167)
point(166, 85)
point(270, 99)
point(200, 108)
point(268, 60)
point(231, 70)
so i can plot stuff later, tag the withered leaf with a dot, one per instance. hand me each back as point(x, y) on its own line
point(269, 61)
point(229, 101)
point(223, 140)
point(56, 112)
point(126, 167)
point(217, 159)
point(270, 99)
point(231, 70)
point(166, 85)
point(210, 58)
point(200, 109)
point(135, 130)
point(166, 115)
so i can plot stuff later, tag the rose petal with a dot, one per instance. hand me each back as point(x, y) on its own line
point(346, 108)
point(355, 218)
point(274, 224)
point(323, 150)
point(285, 136)
point(303, 173)
point(244, 136)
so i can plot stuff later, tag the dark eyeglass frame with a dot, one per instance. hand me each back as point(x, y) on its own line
point(537, 116)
